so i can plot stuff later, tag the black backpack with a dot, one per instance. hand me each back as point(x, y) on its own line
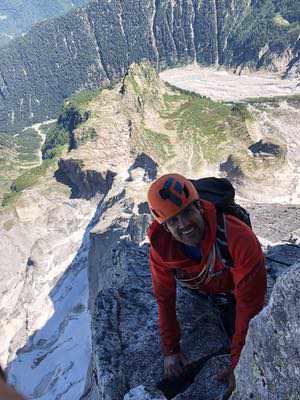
point(220, 192)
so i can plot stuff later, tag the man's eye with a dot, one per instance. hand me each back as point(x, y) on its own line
point(172, 220)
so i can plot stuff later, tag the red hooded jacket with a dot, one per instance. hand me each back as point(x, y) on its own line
point(247, 278)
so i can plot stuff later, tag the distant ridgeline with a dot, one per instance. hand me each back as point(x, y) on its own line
point(17, 16)
point(93, 47)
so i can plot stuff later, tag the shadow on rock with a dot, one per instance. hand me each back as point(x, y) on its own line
point(84, 184)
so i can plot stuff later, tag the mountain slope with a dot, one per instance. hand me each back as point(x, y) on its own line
point(252, 143)
point(94, 46)
point(17, 16)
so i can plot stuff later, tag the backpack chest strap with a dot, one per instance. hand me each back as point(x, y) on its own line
point(221, 242)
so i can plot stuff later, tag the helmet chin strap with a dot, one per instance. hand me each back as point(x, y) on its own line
point(165, 227)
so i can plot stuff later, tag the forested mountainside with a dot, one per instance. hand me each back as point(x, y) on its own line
point(17, 16)
point(94, 46)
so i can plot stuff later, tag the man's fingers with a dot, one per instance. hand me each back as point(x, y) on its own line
point(174, 371)
point(175, 365)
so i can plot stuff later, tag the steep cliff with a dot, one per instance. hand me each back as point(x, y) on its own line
point(94, 46)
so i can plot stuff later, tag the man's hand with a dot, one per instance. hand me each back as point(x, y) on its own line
point(8, 393)
point(174, 365)
point(227, 375)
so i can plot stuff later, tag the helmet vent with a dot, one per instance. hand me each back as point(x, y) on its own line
point(165, 192)
point(178, 187)
point(186, 192)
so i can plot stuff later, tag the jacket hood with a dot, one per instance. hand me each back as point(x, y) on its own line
point(169, 250)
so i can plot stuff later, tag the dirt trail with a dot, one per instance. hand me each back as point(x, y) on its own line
point(37, 128)
point(221, 84)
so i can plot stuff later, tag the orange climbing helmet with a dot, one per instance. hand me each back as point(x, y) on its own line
point(170, 194)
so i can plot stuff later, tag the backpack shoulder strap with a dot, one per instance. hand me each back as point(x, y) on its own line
point(221, 241)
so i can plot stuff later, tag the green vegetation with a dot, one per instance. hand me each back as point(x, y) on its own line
point(18, 22)
point(85, 135)
point(134, 84)
point(9, 199)
point(188, 122)
point(56, 139)
point(61, 133)
point(24, 181)
point(144, 81)
point(28, 144)
point(81, 99)
point(22, 147)
point(205, 124)
point(19, 159)
point(157, 144)
point(294, 99)
point(272, 23)
point(29, 177)
point(19, 154)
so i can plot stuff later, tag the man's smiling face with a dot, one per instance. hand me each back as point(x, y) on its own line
point(188, 225)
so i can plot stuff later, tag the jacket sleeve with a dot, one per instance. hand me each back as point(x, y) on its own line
point(250, 283)
point(164, 289)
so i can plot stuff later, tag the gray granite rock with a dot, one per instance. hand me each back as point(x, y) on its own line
point(141, 393)
point(126, 349)
point(269, 367)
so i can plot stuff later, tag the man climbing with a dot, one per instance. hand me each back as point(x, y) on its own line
point(184, 246)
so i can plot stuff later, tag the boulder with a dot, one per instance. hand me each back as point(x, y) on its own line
point(269, 367)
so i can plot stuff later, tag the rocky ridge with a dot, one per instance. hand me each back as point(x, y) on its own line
point(143, 114)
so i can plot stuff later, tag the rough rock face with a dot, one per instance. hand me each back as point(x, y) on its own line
point(232, 170)
point(101, 249)
point(269, 366)
point(126, 350)
point(293, 69)
point(265, 148)
point(44, 292)
point(84, 183)
point(126, 356)
point(94, 46)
